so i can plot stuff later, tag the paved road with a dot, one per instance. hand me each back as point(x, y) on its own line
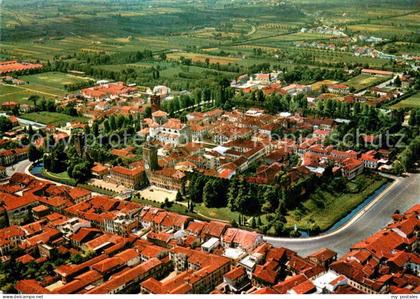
point(401, 196)
point(18, 167)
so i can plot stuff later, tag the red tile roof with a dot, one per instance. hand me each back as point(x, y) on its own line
point(289, 283)
point(195, 227)
point(306, 287)
point(126, 171)
point(235, 273)
point(77, 192)
point(126, 277)
point(30, 286)
point(245, 239)
point(323, 254)
point(25, 259)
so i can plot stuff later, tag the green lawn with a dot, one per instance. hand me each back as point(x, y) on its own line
point(411, 102)
point(61, 177)
point(224, 214)
point(52, 118)
point(363, 81)
point(336, 205)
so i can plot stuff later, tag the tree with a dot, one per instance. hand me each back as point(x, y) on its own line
point(233, 223)
point(148, 111)
point(270, 200)
point(278, 227)
point(179, 196)
point(80, 172)
point(253, 223)
point(107, 127)
point(34, 98)
point(34, 154)
point(30, 130)
point(5, 124)
point(112, 123)
point(95, 128)
point(214, 193)
point(397, 81)
point(414, 119)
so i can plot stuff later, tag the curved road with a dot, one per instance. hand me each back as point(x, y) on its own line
point(401, 195)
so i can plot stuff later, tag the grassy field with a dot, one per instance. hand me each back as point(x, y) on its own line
point(336, 206)
point(52, 118)
point(224, 214)
point(19, 94)
point(411, 102)
point(61, 177)
point(46, 85)
point(51, 83)
point(363, 81)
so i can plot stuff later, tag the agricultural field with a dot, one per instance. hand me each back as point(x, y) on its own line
point(18, 94)
point(52, 118)
point(411, 102)
point(224, 33)
point(363, 81)
point(203, 57)
point(51, 83)
point(381, 29)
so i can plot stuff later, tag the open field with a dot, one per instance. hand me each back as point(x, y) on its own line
point(224, 214)
point(46, 85)
point(18, 94)
point(363, 81)
point(51, 83)
point(52, 118)
point(381, 29)
point(411, 102)
point(202, 58)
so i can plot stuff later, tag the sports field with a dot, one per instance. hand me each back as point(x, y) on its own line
point(51, 83)
point(363, 81)
point(411, 102)
point(52, 118)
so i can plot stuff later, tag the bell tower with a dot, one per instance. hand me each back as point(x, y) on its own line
point(150, 156)
point(155, 102)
